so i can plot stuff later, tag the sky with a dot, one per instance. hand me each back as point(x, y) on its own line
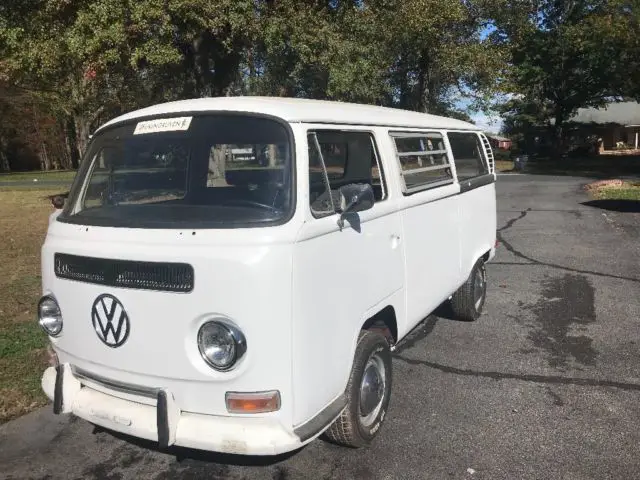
point(490, 123)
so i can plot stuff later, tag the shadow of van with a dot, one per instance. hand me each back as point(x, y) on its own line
point(622, 206)
point(182, 453)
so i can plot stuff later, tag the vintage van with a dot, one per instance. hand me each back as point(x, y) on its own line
point(232, 274)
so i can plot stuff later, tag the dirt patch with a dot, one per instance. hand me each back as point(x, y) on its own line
point(604, 183)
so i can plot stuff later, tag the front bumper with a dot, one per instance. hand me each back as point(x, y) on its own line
point(152, 414)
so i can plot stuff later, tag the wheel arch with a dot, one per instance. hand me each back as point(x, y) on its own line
point(385, 321)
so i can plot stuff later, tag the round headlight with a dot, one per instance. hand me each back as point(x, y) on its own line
point(221, 344)
point(49, 316)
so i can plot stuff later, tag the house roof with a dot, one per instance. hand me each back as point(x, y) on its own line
point(622, 113)
point(296, 110)
point(497, 137)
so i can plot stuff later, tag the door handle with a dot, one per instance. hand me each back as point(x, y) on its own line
point(395, 241)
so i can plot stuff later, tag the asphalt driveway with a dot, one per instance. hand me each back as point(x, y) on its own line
point(546, 384)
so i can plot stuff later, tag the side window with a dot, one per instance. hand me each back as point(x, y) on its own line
point(468, 155)
point(338, 158)
point(423, 160)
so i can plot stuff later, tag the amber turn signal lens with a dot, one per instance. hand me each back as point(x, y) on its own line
point(253, 402)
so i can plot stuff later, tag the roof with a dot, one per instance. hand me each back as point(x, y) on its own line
point(497, 137)
point(296, 110)
point(622, 113)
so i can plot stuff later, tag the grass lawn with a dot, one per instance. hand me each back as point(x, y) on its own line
point(625, 191)
point(56, 175)
point(23, 222)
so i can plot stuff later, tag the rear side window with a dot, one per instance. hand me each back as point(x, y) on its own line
point(338, 158)
point(467, 154)
point(423, 160)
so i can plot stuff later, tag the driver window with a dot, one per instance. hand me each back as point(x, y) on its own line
point(338, 158)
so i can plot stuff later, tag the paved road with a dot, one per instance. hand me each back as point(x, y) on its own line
point(545, 385)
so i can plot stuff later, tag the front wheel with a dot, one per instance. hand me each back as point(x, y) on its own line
point(368, 393)
point(469, 299)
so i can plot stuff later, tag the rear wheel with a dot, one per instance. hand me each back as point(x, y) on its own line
point(368, 393)
point(468, 301)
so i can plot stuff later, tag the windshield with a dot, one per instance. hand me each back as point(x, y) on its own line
point(214, 170)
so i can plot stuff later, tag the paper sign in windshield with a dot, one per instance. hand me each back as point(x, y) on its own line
point(163, 125)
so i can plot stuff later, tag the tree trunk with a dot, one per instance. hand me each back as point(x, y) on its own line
point(67, 151)
point(83, 130)
point(558, 132)
point(272, 155)
point(4, 162)
point(45, 164)
point(217, 167)
point(44, 157)
point(69, 163)
point(424, 92)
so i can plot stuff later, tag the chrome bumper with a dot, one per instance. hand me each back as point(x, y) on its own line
point(154, 415)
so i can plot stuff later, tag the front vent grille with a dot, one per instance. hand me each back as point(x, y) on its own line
point(160, 276)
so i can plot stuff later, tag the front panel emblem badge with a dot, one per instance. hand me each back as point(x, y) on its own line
point(110, 320)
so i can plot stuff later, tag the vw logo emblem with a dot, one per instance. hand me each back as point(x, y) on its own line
point(110, 320)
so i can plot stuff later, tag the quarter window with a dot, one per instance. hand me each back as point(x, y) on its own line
point(338, 158)
point(467, 155)
point(423, 160)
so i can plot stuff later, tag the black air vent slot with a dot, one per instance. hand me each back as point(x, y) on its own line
point(160, 276)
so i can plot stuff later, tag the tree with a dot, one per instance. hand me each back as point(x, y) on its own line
point(568, 55)
point(93, 58)
point(437, 53)
point(84, 61)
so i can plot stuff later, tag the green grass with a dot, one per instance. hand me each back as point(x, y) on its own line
point(56, 175)
point(628, 191)
point(23, 222)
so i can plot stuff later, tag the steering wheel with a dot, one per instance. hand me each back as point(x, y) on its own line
point(251, 203)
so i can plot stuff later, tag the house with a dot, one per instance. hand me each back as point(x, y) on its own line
point(616, 124)
point(498, 142)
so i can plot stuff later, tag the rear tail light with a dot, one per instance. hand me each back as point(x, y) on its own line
point(253, 402)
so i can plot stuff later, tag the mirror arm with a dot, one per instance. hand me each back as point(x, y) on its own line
point(344, 212)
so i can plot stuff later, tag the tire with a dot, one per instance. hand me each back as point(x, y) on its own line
point(468, 301)
point(351, 429)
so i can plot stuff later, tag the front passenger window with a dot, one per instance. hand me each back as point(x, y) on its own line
point(338, 158)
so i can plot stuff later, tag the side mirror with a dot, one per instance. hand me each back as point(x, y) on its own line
point(58, 200)
point(355, 197)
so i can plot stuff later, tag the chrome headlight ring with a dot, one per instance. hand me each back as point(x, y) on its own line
point(50, 316)
point(221, 344)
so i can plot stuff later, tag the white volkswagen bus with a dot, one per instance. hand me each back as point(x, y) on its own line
point(248, 303)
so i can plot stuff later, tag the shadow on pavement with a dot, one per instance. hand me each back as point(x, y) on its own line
point(624, 206)
point(182, 453)
point(599, 166)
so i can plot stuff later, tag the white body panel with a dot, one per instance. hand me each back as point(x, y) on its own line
point(430, 223)
point(160, 349)
point(300, 292)
point(339, 277)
